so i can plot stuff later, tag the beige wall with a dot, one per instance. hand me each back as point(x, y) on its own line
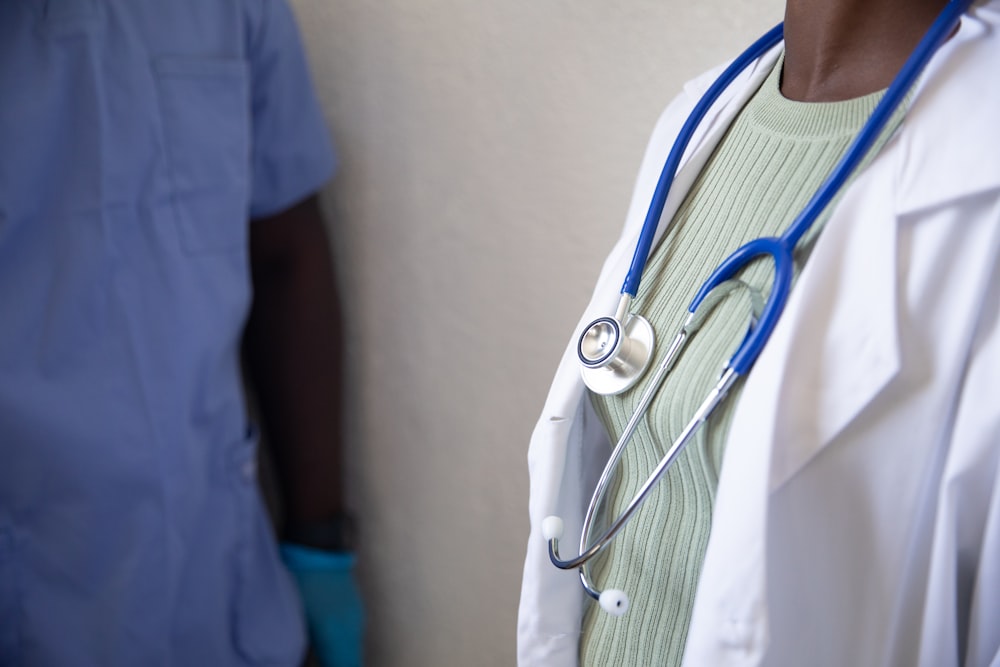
point(488, 150)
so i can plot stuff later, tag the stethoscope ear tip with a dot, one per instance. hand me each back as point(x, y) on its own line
point(552, 528)
point(614, 601)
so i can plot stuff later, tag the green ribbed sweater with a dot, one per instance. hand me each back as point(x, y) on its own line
point(772, 159)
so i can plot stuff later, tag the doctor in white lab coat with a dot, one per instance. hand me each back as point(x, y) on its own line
point(857, 520)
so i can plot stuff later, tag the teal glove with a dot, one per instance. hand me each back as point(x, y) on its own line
point(334, 612)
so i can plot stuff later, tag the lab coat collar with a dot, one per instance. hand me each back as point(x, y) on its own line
point(949, 114)
point(940, 97)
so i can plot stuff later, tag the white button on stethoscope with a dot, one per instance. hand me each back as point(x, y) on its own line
point(614, 601)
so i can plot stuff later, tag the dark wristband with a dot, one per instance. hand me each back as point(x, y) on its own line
point(336, 533)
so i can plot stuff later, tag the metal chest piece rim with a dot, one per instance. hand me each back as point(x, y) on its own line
point(614, 356)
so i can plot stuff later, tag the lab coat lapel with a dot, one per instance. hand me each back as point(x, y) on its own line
point(775, 429)
point(838, 345)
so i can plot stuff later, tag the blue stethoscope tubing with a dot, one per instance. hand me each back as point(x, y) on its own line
point(778, 248)
point(914, 65)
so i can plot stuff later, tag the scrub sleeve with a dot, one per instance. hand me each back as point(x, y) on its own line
point(292, 156)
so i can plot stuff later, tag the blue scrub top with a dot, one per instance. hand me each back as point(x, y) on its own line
point(137, 139)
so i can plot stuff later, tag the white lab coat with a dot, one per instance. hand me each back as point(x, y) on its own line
point(857, 520)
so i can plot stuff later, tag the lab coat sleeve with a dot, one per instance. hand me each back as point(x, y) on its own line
point(962, 613)
point(977, 518)
point(292, 155)
point(983, 646)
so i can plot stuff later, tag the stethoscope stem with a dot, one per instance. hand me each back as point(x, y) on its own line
point(624, 303)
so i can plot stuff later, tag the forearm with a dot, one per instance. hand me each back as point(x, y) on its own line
point(293, 349)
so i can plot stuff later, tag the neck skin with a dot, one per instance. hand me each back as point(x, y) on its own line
point(841, 49)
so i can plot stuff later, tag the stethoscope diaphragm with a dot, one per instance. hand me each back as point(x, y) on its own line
point(614, 356)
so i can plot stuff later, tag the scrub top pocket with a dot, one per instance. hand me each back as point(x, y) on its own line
point(205, 110)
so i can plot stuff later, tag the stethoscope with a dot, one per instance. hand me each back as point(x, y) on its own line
point(615, 351)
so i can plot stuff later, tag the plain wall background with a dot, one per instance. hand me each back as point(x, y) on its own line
point(488, 151)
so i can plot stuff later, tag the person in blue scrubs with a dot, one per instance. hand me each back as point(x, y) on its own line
point(158, 169)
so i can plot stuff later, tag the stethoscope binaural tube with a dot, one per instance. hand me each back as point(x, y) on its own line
point(615, 352)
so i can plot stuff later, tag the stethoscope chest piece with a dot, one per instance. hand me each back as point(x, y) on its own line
point(613, 356)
